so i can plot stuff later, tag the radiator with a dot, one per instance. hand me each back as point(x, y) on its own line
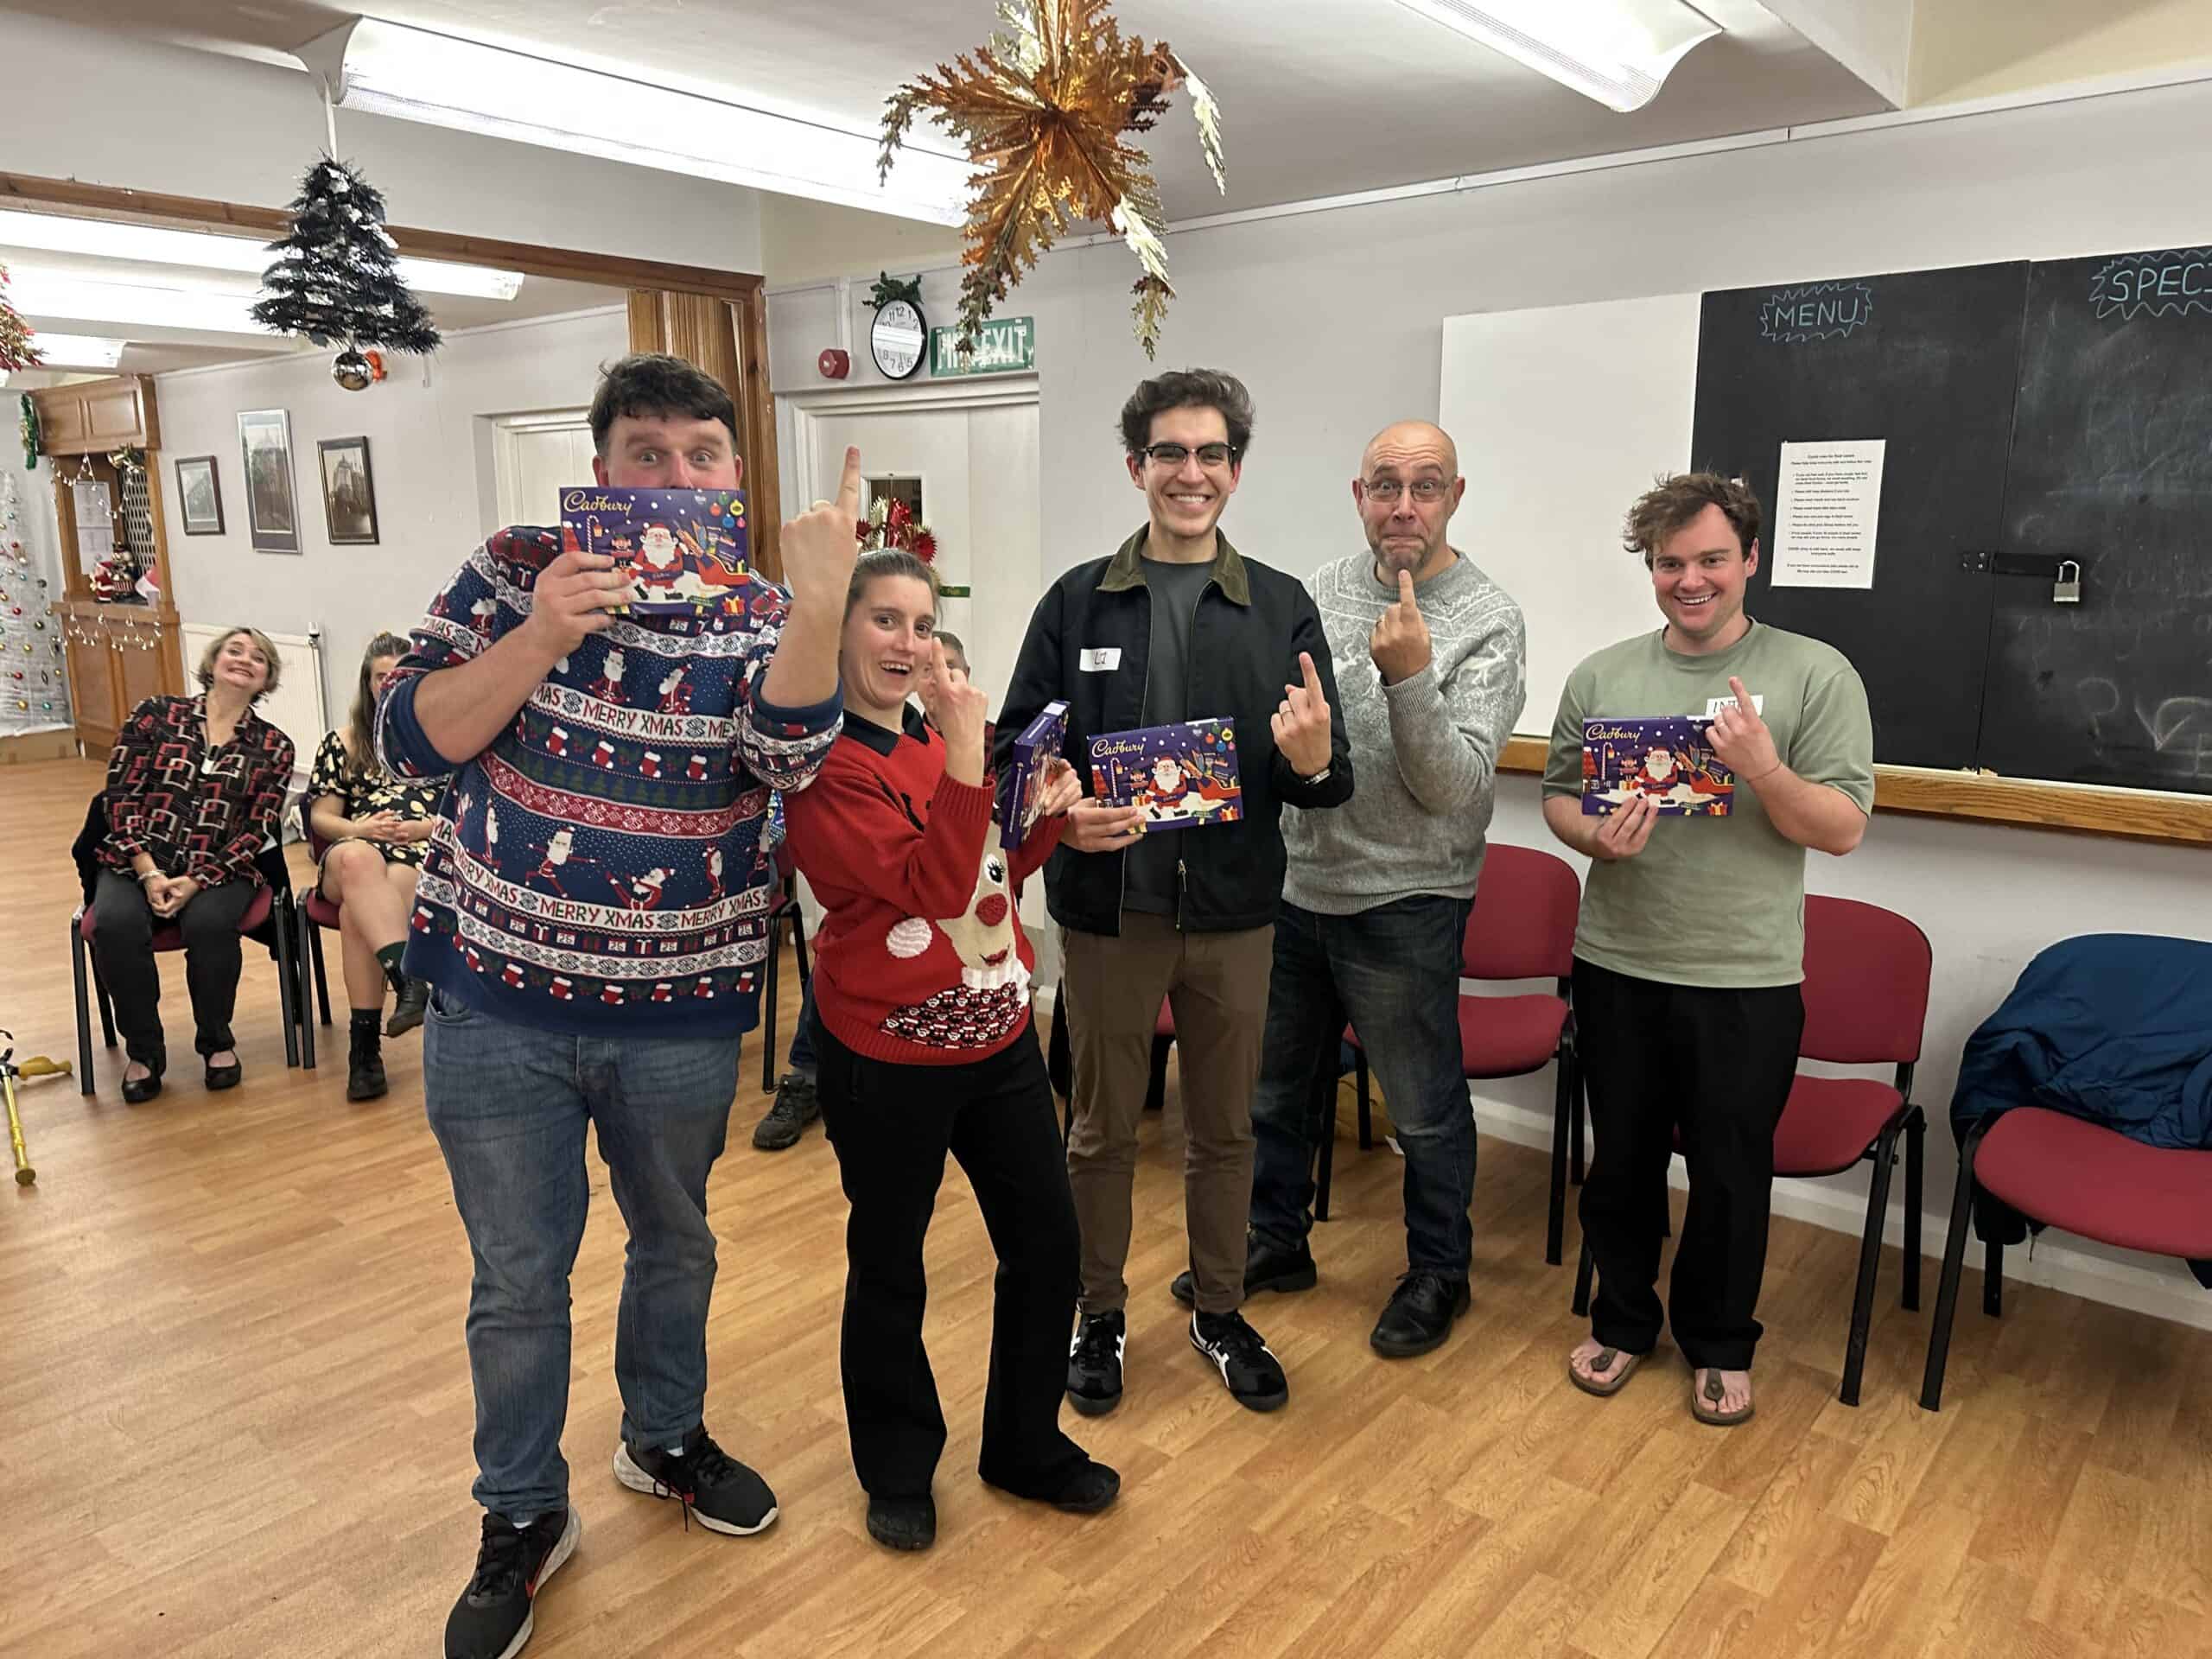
point(297, 706)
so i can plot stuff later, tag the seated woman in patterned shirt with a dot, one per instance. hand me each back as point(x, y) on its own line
point(194, 789)
point(373, 826)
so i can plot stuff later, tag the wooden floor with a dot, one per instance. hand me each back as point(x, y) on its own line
point(235, 1419)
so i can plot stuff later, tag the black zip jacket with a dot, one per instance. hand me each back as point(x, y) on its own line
point(1250, 623)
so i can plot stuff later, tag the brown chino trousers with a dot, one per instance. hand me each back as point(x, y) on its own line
point(1216, 984)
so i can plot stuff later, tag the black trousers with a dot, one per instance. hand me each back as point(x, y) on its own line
point(1714, 1066)
point(123, 942)
point(892, 1126)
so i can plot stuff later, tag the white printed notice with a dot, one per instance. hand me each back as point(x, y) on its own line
point(1829, 502)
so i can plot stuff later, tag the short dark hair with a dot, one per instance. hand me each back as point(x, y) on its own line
point(653, 382)
point(1669, 504)
point(889, 561)
point(1188, 389)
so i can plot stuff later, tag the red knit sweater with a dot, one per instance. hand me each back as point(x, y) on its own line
point(921, 958)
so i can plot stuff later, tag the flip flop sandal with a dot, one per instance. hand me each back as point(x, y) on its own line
point(1603, 1360)
point(1705, 1401)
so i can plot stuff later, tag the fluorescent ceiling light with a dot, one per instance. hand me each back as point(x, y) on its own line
point(416, 75)
point(76, 351)
point(150, 305)
point(152, 245)
point(1616, 51)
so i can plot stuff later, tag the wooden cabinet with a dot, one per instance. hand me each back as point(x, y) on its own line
point(95, 416)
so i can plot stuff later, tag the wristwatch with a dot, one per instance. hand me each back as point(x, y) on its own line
point(1319, 776)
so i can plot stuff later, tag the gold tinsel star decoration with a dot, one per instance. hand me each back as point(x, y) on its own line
point(1042, 107)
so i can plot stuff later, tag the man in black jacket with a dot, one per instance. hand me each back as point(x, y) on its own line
point(1176, 626)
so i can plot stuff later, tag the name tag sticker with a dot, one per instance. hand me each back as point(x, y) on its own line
point(1714, 705)
point(1102, 659)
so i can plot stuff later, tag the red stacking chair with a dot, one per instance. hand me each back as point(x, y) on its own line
point(315, 913)
point(1866, 990)
point(271, 899)
point(1521, 927)
point(2067, 1172)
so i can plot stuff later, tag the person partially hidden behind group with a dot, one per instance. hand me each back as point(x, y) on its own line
point(194, 788)
point(924, 1045)
point(373, 826)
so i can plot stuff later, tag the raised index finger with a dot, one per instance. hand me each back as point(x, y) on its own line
point(848, 486)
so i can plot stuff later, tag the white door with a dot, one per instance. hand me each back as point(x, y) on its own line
point(977, 469)
point(534, 457)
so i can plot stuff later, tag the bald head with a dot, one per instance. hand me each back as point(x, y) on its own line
point(1407, 489)
point(1405, 440)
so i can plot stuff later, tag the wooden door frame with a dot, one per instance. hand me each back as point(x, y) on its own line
point(742, 291)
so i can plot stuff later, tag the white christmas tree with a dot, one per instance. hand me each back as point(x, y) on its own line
point(34, 680)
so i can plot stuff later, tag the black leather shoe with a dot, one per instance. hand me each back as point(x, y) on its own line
point(1266, 1268)
point(407, 1011)
point(903, 1523)
point(221, 1077)
point(1088, 1489)
point(136, 1091)
point(1419, 1315)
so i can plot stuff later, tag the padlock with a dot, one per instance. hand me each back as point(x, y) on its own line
point(2067, 590)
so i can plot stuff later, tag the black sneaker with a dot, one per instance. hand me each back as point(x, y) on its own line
point(1419, 1315)
point(1266, 1268)
point(722, 1492)
point(407, 1013)
point(495, 1613)
point(1254, 1375)
point(365, 1078)
point(797, 1106)
point(1095, 1362)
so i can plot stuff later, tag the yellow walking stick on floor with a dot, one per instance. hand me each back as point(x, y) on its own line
point(37, 1066)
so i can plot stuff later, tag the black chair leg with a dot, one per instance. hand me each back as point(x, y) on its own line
point(281, 916)
point(768, 1007)
point(304, 947)
point(1155, 1093)
point(1870, 1263)
point(1946, 1286)
point(1583, 1271)
point(1916, 1136)
point(798, 946)
point(321, 980)
point(1366, 1100)
point(77, 954)
point(1555, 1216)
point(1993, 1278)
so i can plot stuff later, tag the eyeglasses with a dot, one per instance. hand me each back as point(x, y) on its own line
point(1426, 490)
point(1174, 454)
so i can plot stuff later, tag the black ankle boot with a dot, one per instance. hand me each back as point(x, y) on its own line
point(406, 1012)
point(364, 1063)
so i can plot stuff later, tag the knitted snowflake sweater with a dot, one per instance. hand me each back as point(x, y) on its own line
point(598, 869)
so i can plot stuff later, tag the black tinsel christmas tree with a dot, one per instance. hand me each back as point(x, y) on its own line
point(336, 276)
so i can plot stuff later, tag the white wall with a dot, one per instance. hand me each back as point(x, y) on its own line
point(196, 124)
point(1334, 319)
point(429, 458)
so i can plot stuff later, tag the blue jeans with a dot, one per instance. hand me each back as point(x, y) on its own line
point(803, 1059)
point(1393, 973)
point(509, 1105)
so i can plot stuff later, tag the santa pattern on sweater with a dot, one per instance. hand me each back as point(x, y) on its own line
point(600, 866)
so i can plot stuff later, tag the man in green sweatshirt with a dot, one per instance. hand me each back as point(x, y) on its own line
point(1428, 654)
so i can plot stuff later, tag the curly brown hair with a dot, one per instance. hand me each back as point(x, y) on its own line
point(1673, 502)
point(1189, 388)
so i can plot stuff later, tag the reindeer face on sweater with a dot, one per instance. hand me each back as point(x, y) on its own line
point(981, 935)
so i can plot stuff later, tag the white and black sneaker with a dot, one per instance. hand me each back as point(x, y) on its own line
point(1253, 1373)
point(1095, 1362)
point(497, 1612)
point(722, 1492)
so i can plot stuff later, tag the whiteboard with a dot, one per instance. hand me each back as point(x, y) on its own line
point(1563, 416)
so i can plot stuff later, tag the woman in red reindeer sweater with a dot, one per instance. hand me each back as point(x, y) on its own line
point(921, 992)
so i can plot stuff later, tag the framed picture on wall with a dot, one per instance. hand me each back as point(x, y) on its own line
point(199, 495)
point(272, 515)
point(349, 496)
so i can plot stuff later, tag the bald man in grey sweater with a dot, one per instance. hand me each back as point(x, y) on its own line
point(1429, 655)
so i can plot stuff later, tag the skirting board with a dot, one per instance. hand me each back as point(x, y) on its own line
point(2094, 1278)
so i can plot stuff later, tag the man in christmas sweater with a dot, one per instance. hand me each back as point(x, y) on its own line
point(559, 1002)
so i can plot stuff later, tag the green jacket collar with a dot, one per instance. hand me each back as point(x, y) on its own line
point(1127, 570)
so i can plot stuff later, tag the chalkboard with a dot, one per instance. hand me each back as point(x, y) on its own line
point(1926, 360)
point(2033, 413)
point(2112, 467)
